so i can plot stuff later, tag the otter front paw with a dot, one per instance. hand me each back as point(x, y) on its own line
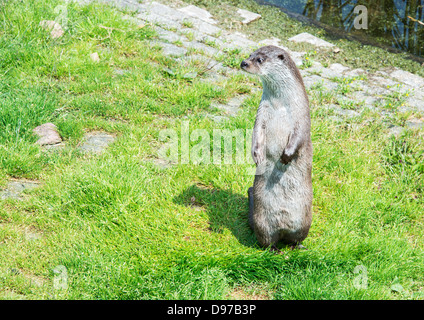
point(258, 156)
point(287, 156)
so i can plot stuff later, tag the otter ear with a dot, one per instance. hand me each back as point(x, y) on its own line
point(281, 56)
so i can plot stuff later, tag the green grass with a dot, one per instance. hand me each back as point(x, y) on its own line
point(126, 228)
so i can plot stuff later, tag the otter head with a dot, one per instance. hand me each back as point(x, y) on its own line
point(272, 64)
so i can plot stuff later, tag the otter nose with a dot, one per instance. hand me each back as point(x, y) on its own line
point(243, 64)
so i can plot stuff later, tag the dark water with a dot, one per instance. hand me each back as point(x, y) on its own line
point(393, 23)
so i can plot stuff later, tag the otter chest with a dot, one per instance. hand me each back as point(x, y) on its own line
point(277, 131)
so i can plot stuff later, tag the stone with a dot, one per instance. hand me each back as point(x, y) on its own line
point(395, 131)
point(15, 188)
point(408, 78)
point(315, 80)
point(132, 5)
point(171, 49)
point(309, 38)
point(160, 9)
point(355, 72)
point(208, 50)
point(96, 142)
point(317, 67)
point(157, 13)
point(415, 123)
point(55, 29)
point(160, 20)
point(312, 80)
point(232, 106)
point(270, 42)
point(167, 35)
point(346, 112)
point(368, 100)
point(385, 82)
point(120, 72)
point(248, 16)
point(297, 57)
point(205, 27)
point(207, 63)
point(339, 68)
point(239, 41)
point(95, 57)
point(31, 235)
point(417, 104)
point(48, 134)
point(376, 90)
point(329, 73)
point(198, 13)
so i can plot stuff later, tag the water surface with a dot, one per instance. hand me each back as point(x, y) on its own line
point(395, 23)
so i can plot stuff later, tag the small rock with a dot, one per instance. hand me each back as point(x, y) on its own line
point(198, 13)
point(55, 29)
point(415, 103)
point(48, 134)
point(232, 106)
point(408, 78)
point(329, 73)
point(190, 75)
point(297, 57)
point(337, 67)
point(367, 99)
point(206, 28)
point(154, 18)
point(312, 80)
point(15, 188)
point(167, 35)
point(385, 82)
point(95, 57)
point(206, 49)
point(248, 16)
point(239, 40)
point(270, 42)
point(415, 123)
point(31, 235)
point(355, 72)
point(309, 38)
point(317, 67)
point(96, 142)
point(171, 49)
point(120, 72)
point(395, 131)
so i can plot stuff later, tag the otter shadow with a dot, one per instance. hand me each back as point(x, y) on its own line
point(224, 208)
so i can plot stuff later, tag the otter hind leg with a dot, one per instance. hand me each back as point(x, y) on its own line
point(298, 246)
point(291, 239)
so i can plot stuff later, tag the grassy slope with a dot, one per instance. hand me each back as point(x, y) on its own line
point(126, 229)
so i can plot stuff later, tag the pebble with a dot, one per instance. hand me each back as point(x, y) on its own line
point(55, 29)
point(96, 142)
point(48, 134)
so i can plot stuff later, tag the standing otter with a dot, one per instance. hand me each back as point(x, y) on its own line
point(280, 202)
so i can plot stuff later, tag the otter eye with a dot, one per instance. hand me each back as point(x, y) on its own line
point(281, 56)
point(260, 60)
